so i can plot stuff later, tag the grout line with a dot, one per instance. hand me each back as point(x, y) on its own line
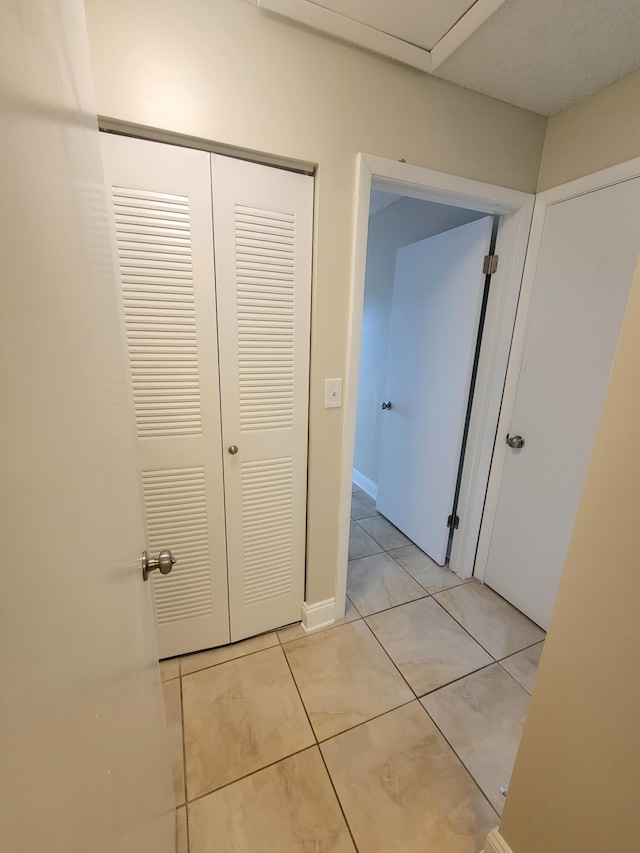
point(237, 657)
point(300, 697)
point(514, 679)
point(456, 680)
point(251, 773)
point(396, 606)
point(354, 607)
point(340, 806)
point(524, 649)
point(395, 666)
point(464, 766)
point(497, 660)
point(460, 582)
point(337, 624)
point(370, 720)
point(466, 630)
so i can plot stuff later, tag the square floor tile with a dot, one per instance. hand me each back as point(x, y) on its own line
point(182, 845)
point(362, 505)
point(344, 678)
point(482, 717)
point(378, 582)
point(523, 666)
point(360, 543)
point(290, 807)
point(169, 669)
point(173, 714)
point(239, 717)
point(384, 532)
point(212, 657)
point(421, 567)
point(495, 624)
point(402, 787)
point(296, 632)
point(429, 647)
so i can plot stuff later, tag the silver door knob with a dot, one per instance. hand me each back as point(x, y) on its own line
point(164, 562)
point(515, 441)
point(233, 449)
point(386, 405)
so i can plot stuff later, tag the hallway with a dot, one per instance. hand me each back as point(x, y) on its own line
point(393, 729)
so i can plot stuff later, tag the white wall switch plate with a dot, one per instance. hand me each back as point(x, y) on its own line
point(332, 393)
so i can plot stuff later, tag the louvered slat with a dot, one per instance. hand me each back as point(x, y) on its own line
point(176, 512)
point(266, 309)
point(267, 508)
point(154, 253)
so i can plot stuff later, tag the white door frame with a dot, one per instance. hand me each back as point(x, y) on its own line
point(564, 192)
point(515, 210)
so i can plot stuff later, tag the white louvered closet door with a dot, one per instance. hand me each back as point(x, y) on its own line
point(164, 251)
point(263, 219)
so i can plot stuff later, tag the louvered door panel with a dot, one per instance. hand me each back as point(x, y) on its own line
point(263, 228)
point(162, 226)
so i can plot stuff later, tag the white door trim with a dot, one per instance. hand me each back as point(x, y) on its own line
point(516, 209)
point(495, 843)
point(598, 180)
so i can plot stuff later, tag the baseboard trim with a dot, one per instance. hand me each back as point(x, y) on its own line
point(495, 843)
point(318, 615)
point(365, 484)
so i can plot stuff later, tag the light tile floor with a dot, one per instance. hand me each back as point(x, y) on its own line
point(392, 730)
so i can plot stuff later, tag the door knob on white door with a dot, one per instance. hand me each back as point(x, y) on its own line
point(386, 405)
point(515, 441)
point(164, 562)
point(233, 449)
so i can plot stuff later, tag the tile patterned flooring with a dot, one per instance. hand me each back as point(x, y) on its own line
point(394, 729)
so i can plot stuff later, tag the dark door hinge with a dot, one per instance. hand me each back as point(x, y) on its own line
point(490, 264)
point(453, 521)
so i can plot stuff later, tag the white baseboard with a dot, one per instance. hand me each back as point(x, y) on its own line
point(319, 615)
point(495, 843)
point(365, 484)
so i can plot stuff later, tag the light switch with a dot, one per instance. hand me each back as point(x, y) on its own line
point(332, 393)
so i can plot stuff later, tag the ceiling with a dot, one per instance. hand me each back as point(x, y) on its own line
point(543, 55)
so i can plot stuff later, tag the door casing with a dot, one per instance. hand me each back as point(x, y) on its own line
point(515, 210)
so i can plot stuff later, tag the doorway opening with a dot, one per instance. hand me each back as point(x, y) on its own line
point(452, 205)
point(425, 300)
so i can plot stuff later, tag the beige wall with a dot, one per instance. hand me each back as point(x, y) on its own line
point(599, 132)
point(577, 776)
point(229, 72)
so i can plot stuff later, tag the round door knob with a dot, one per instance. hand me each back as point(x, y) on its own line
point(233, 449)
point(515, 441)
point(164, 562)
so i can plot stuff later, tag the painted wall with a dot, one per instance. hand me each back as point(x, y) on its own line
point(599, 132)
point(577, 775)
point(400, 224)
point(227, 71)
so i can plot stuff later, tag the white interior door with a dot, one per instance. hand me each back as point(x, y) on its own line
point(585, 266)
point(437, 299)
point(82, 735)
point(163, 244)
point(263, 228)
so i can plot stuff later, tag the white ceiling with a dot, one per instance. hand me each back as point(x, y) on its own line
point(543, 55)
point(546, 55)
point(419, 23)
